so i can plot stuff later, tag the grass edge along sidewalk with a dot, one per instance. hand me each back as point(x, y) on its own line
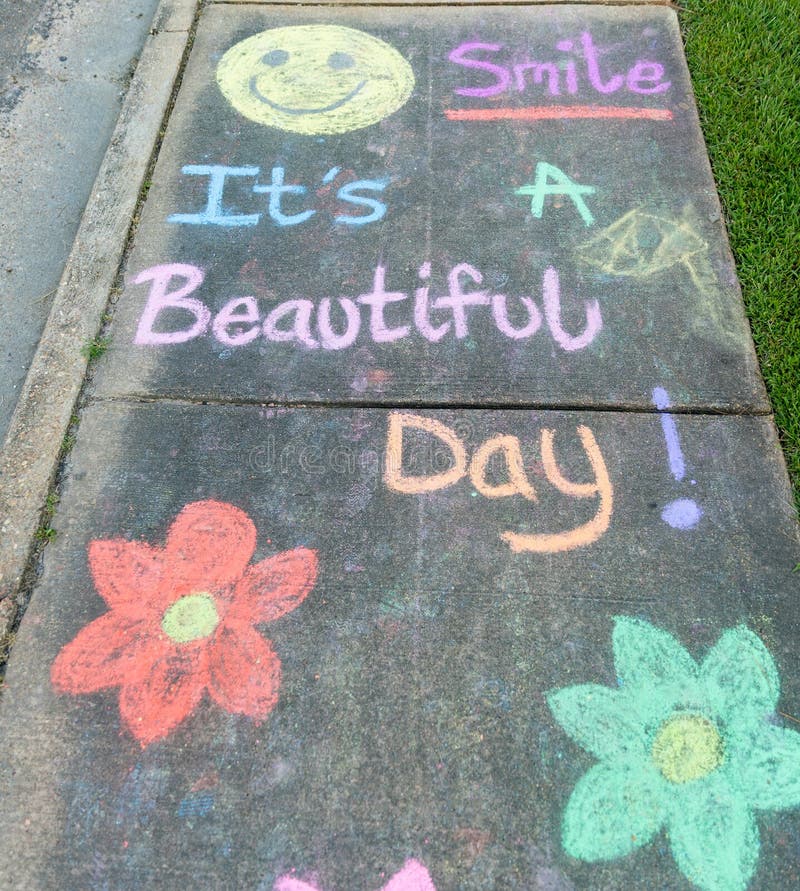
point(743, 57)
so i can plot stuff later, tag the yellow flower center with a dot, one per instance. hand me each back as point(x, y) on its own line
point(191, 618)
point(687, 747)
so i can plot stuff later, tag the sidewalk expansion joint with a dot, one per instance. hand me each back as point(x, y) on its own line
point(424, 405)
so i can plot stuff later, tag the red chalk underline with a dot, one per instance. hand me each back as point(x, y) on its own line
point(556, 112)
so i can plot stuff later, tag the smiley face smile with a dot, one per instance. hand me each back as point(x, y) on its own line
point(332, 107)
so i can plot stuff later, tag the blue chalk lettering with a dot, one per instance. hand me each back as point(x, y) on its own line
point(214, 215)
point(378, 207)
point(276, 189)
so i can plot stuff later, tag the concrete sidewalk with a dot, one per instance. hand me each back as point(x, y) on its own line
point(426, 526)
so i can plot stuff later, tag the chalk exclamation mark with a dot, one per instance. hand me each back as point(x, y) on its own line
point(684, 513)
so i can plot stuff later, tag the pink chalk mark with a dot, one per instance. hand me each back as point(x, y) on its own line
point(551, 294)
point(412, 877)
point(161, 298)
point(557, 112)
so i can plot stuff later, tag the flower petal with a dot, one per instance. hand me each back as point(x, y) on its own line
point(244, 672)
point(614, 809)
point(127, 572)
point(740, 676)
point(599, 720)
point(274, 586)
point(645, 655)
point(713, 834)
point(154, 705)
point(208, 546)
point(766, 767)
point(111, 650)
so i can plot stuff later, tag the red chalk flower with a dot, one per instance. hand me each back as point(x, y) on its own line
point(181, 621)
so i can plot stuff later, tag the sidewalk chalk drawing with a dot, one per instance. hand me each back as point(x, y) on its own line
point(641, 244)
point(315, 79)
point(549, 180)
point(682, 513)
point(350, 193)
point(577, 70)
point(693, 749)
point(337, 324)
point(517, 483)
point(182, 621)
point(412, 877)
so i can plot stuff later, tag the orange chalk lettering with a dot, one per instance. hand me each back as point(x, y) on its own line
point(518, 483)
point(416, 485)
point(588, 532)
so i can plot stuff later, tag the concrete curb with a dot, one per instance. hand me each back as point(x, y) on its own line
point(30, 454)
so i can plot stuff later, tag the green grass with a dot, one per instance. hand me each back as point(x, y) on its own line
point(94, 349)
point(744, 57)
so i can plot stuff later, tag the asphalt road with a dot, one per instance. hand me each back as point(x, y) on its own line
point(64, 68)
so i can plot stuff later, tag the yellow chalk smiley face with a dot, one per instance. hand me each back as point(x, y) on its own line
point(315, 79)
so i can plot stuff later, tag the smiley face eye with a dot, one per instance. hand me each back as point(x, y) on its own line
point(275, 57)
point(340, 61)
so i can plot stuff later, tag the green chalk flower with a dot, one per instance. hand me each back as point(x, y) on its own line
point(693, 749)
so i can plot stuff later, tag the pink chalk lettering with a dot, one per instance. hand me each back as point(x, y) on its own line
point(647, 72)
point(230, 315)
point(161, 298)
point(539, 70)
point(553, 76)
point(551, 295)
point(421, 310)
point(329, 338)
point(458, 301)
point(592, 56)
point(500, 313)
point(569, 67)
point(503, 78)
point(292, 321)
point(412, 877)
point(300, 330)
point(377, 300)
